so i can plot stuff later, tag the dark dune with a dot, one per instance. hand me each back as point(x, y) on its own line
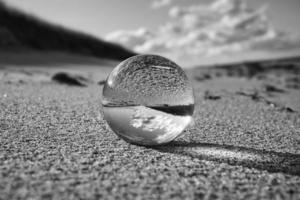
point(20, 32)
point(50, 59)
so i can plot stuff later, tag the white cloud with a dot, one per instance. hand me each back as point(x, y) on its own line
point(160, 3)
point(223, 27)
point(131, 39)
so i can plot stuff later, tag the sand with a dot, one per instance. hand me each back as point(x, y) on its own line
point(54, 143)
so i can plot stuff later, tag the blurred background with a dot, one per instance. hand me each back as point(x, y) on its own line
point(190, 32)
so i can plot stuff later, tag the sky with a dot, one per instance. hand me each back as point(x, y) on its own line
point(187, 31)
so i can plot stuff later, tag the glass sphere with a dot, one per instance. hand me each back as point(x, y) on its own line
point(148, 100)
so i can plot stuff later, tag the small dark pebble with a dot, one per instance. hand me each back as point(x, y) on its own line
point(293, 86)
point(69, 79)
point(288, 109)
point(254, 96)
point(293, 79)
point(271, 88)
point(218, 74)
point(209, 96)
point(101, 82)
point(261, 77)
point(203, 77)
point(292, 82)
point(21, 82)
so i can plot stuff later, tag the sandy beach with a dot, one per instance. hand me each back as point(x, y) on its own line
point(244, 144)
point(241, 57)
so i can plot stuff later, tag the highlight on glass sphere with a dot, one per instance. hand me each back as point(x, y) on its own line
point(148, 100)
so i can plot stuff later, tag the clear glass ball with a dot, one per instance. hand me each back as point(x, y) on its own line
point(148, 100)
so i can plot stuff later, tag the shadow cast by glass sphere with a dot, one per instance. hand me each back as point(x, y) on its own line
point(235, 155)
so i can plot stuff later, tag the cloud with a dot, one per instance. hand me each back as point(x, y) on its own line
point(222, 28)
point(130, 39)
point(160, 3)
